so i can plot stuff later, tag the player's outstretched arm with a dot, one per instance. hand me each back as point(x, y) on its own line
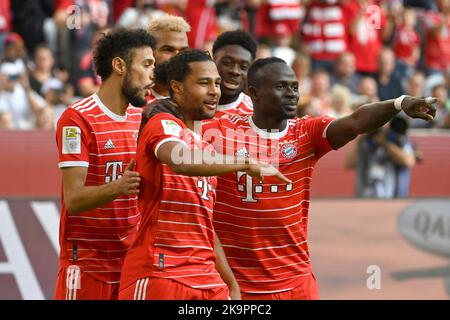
point(185, 161)
point(374, 115)
point(79, 198)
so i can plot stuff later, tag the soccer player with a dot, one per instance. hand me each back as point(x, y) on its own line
point(96, 139)
point(263, 226)
point(171, 37)
point(173, 256)
point(234, 52)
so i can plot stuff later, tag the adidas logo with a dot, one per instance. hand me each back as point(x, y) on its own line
point(109, 144)
point(242, 152)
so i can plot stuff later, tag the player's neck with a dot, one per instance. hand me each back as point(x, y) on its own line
point(111, 96)
point(161, 90)
point(268, 123)
point(228, 99)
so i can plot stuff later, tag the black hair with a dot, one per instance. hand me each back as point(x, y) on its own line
point(258, 65)
point(238, 37)
point(119, 43)
point(177, 68)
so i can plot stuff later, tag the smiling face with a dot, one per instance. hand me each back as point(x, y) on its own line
point(139, 76)
point(232, 62)
point(169, 44)
point(277, 92)
point(199, 93)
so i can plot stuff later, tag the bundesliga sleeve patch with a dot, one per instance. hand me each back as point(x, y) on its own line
point(71, 140)
point(171, 128)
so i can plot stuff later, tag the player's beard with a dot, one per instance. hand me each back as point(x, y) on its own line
point(132, 93)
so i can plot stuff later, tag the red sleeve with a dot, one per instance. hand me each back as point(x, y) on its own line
point(73, 137)
point(162, 128)
point(316, 128)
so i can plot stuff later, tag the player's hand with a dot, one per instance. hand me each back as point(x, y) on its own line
point(260, 170)
point(422, 108)
point(235, 293)
point(128, 184)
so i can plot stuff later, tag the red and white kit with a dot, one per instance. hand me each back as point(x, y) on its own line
point(95, 242)
point(263, 226)
point(175, 241)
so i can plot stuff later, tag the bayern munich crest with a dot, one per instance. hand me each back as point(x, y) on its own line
point(288, 151)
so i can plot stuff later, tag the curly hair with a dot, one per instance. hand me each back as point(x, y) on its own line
point(238, 37)
point(119, 43)
point(168, 22)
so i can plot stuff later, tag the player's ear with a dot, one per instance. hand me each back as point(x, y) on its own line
point(119, 66)
point(177, 86)
point(253, 93)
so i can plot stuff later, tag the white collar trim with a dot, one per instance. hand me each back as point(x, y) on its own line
point(265, 134)
point(231, 105)
point(157, 95)
point(108, 112)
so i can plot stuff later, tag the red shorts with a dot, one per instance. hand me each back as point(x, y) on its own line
point(307, 290)
point(167, 289)
point(73, 284)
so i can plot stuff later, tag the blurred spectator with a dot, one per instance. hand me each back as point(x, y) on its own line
point(366, 34)
point(389, 87)
point(325, 32)
point(201, 16)
point(140, 14)
point(302, 69)
point(88, 81)
point(263, 51)
point(367, 91)
point(119, 7)
point(442, 119)
point(17, 98)
point(416, 87)
point(57, 97)
point(28, 20)
point(5, 21)
point(43, 67)
point(45, 119)
point(406, 45)
point(14, 51)
point(275, 17)
point(437, 47)
point(383, 160)
point(6, 120)
point(344, 72)
point(229, 15)
point(340, 101)
point(282, 48)
point(320, 94)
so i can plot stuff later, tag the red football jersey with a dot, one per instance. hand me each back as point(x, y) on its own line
point(405, 41)
point(153, 96)
point(176, 236)
point(90, 135)
point(263, 226)
point(242, 106)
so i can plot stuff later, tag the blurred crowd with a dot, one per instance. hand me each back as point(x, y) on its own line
point(345, 53)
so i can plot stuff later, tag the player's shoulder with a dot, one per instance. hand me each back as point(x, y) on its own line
point(235, 120)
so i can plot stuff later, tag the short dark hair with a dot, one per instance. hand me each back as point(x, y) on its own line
point(119, 43)
point(177, 68)
point(238, 37)
point(258, 65)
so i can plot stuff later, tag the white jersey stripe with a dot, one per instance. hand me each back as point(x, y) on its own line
point(267, 210)
point(265, 248)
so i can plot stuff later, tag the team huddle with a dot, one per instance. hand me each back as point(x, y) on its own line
point(188, 176)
